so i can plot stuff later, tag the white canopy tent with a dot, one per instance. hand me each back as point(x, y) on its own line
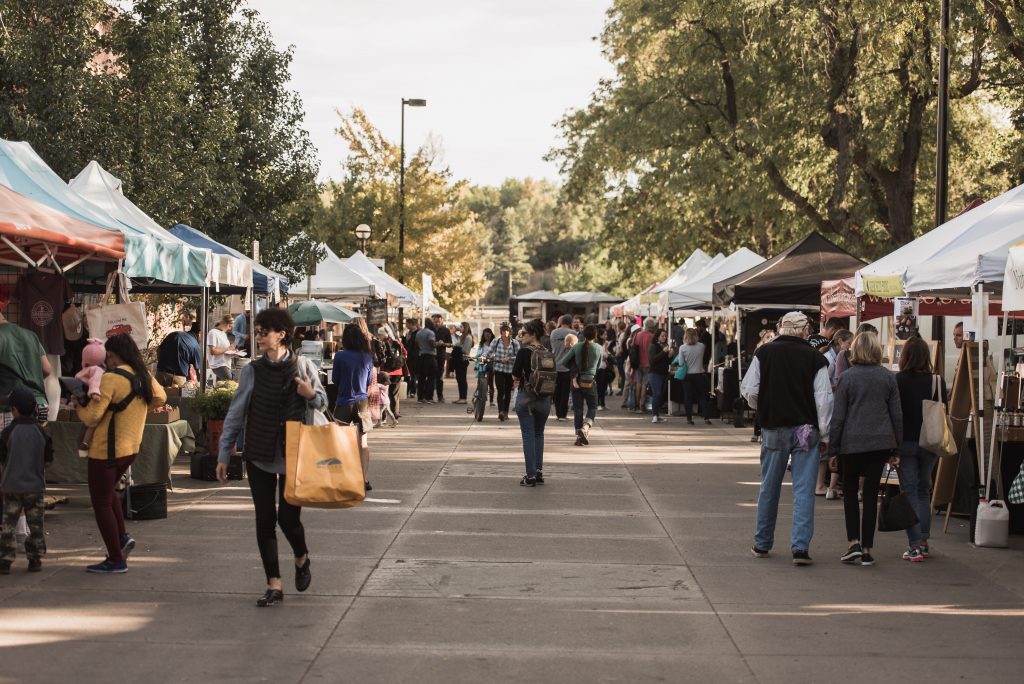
point(697, 293)
point(362, 265)
point(695, 264)
point(887, 276)
point(105, 190)
point(333, 279)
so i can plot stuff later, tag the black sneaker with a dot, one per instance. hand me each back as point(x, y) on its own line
point(367, 487)
point(853, 554)
point(584, 441)
point(539, 477)
point(127, 544)
point(271, 598)
point(801, 558)
point(5, 567)
point(302, 576)
point(758, 553)
point(35, 565)
point(528, 481)
point(866, 559)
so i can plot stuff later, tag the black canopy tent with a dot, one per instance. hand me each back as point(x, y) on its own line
point(789, 280)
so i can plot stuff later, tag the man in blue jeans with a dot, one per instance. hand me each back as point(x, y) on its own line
point(788, 384)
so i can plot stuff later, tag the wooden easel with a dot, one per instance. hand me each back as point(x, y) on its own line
point(963, 410)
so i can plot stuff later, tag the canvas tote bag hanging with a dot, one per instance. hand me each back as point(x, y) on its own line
point(936, 429)
point(106, 320)
point(322, 466)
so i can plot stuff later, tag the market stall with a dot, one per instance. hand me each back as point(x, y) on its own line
point(332, 279)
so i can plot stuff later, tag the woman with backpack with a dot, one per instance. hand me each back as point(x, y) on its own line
point(533, 403)
point(393, 365)
point(127, 392)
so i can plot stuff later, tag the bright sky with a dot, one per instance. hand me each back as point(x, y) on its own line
point(496, 74)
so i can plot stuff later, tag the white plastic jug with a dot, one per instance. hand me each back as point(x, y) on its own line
point(993, 526)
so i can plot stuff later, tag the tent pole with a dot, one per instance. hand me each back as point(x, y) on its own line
point(668, 380)
point(979, 316)
point(204, 303)
point(739, 344)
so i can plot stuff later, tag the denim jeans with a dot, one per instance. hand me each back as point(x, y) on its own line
point(533, 414)
point(777, 445)
point(657, 381)
point(579, 397)
point(916, 467)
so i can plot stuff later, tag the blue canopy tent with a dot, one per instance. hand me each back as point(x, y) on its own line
point(264, 280)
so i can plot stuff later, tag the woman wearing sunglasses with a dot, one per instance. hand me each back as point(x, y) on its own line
point(278, 387)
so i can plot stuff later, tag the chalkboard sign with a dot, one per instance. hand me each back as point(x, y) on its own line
point(376, 311)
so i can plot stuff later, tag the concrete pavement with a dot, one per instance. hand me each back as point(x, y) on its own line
point(631, 564)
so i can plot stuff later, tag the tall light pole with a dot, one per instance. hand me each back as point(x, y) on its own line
point(412, 102)
point(941, 137)
point(363, 233)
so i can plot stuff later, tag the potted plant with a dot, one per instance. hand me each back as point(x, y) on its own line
point(213, 407)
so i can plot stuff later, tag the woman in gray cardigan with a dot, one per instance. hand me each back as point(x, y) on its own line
point(865, 433)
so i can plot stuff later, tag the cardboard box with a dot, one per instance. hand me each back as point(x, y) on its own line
point(164, 417)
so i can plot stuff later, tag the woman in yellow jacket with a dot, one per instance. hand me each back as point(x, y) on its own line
point(127, 392)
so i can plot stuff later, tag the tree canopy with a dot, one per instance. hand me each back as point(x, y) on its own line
point(746, 123)
point(185, 100)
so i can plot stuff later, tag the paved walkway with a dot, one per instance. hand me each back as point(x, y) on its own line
point(631, 564)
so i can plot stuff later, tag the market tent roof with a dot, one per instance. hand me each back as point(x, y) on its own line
point(189, 265)
point(977, 255)
point(695, 265)
point(263, 280)
point(589, 298)
point(644, 303)
point(538, 296)
point(332, 279)
point(31, 230)
point(698, 292)
point(792, 278)
point(22, 170)
point(887, 276)
point(359, 263)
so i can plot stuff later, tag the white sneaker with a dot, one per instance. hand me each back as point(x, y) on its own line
point(831, 494)
point(657, 419)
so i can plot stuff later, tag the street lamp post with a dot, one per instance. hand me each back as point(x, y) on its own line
point(412, 102)
point(363, 233)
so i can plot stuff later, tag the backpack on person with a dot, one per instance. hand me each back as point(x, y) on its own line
point(543, 374)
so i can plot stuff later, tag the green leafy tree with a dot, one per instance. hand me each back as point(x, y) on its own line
point(735, 123)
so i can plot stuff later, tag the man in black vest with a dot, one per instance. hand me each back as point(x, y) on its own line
point(788, 384)
point(412, 326)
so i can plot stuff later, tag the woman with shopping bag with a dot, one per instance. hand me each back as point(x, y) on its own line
point(917, 385)
point(272, 390)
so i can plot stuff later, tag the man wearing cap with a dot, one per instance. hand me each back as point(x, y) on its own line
point(788, 384)
point(22, 361)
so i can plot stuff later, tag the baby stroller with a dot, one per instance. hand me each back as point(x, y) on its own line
point(380, 403)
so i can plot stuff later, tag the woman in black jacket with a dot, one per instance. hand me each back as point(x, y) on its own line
point(659, 354)
point(916, 384)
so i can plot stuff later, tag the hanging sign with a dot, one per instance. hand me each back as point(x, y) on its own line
point(883, 285)
point(376, 311)
point(838, 299)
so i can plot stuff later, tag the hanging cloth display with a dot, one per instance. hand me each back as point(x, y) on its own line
point(41, 298)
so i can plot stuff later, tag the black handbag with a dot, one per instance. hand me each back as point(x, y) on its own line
point(895, 513)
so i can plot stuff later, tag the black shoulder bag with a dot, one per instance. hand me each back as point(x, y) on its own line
point(115, 408)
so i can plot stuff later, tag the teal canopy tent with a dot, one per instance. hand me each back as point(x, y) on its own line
point(313, 312)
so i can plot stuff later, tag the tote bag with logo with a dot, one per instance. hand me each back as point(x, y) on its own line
point(128, 317)
point(322, 466)
point(936, 429)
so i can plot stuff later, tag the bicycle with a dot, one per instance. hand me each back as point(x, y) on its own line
point(482, 365)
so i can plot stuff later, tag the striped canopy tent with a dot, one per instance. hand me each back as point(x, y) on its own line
point(264, 281)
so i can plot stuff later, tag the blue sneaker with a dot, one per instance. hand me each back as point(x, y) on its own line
point(108, 567)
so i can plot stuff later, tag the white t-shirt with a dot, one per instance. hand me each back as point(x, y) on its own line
point(219, 339)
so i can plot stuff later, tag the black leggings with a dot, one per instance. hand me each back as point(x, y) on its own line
point(272, 511)
point(869, 466)
point(504, 383)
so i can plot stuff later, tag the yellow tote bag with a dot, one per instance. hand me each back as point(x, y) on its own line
point(322, 466)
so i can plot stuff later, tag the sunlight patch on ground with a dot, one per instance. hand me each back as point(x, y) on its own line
point(34, 626)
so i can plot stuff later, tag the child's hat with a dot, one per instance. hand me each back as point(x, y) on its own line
point(21, 398)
